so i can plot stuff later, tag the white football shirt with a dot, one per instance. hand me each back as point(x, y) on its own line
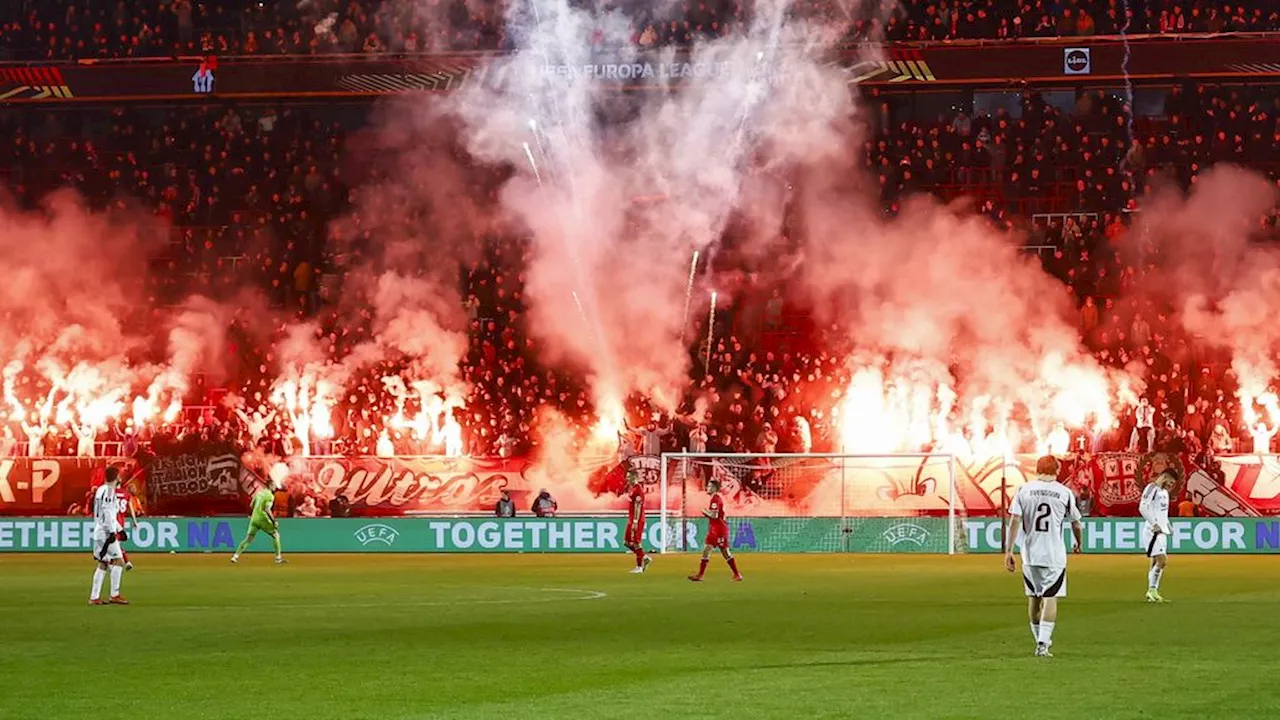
point(105, 508)
point(1154, 507)
point(1044, 505)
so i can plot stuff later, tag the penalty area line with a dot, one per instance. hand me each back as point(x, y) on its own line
point(577, 594)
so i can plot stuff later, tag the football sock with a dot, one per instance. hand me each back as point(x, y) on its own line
point(1046, 633)
point(116, 572)
point(98, 576)
point(276, 541)
point(733, 565)
point(1035, 631)
point(1153, 577)
point(243, 544)
point(702, 567)
point(639, 551)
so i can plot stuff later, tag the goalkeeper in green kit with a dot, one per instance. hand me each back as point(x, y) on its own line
point(261, 519)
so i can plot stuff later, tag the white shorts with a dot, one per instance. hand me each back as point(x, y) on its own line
point(1158, 545)
point(1044, 582)
point(106, 550)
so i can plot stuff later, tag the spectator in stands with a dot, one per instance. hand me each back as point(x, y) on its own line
point(698, 439)
point(1220, 440)
point(339, 506)
point(1084, 500)
point(544, 505)
point(1193, 423)
point(1189, 506)
point(1143, 437)
point(307, 508)
point(1088, 318)
point(651, 437)
point(505, 507)
point(767, 440)
point(8, 443)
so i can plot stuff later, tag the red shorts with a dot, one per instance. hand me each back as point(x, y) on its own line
point(718, 538)
point(635, 534)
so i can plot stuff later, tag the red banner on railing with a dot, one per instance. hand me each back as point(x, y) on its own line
point(217, 481)
point(1255, 479)
point(398, 486)
point(211, 482)
point(45, 486)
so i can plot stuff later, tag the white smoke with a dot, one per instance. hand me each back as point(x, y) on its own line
point(78, 336)
point(607, 276)
point(1204, 262)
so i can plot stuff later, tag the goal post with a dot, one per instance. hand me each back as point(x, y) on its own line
point(815, 502)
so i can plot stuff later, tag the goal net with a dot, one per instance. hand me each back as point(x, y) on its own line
point(815, 502)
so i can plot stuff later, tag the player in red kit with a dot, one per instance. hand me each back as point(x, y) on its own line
point(124, 510)
point(717, 534)
point(634, 539)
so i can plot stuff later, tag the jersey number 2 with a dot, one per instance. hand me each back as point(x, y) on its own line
point(1043, 511)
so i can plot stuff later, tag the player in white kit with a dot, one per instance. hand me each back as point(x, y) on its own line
point(1039, 509)
point(106, 540)
point(1154, 507)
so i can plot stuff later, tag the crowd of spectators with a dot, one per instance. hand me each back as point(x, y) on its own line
point(1071, 180)
point(250, 193)
point(1086, 158)
point(79, 29)
point(251, 187)
point(920, 20)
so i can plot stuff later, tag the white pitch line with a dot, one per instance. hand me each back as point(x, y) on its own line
point(581, 595)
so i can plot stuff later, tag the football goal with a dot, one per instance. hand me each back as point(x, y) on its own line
point(815, 502)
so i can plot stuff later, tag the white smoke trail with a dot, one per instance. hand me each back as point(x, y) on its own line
point(1129, 110)
point(1124, 69)
point(720, 118)
point(688, 296)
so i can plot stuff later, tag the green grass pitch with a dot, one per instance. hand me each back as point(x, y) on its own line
point(390, 637)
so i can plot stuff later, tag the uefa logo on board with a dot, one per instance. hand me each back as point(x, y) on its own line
point(909, 533)
point(377, 533)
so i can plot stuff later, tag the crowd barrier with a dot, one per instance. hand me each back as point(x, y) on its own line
point(604, 535)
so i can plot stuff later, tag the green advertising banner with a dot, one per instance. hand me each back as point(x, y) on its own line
point(333, 535)
point(860, 535)
point(1128, 535)
point(604, 534)
point(824, 535)
point(539, 535)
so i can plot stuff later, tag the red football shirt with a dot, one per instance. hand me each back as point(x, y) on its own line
point(719, 523)
point(122, 505)
point(635, 514)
